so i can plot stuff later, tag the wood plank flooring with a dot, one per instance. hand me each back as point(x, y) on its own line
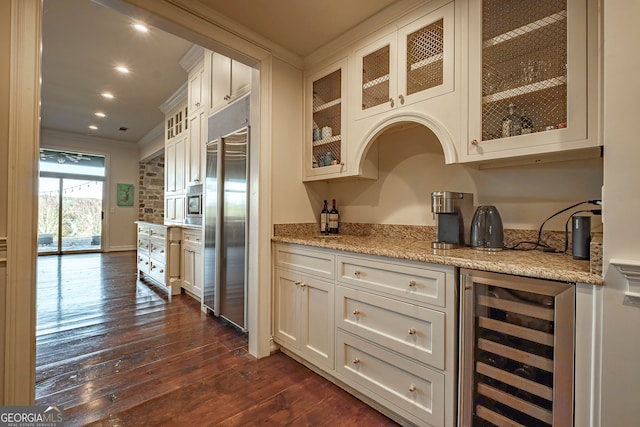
point(114, 352)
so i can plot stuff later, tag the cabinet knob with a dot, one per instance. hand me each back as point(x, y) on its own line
point(146, 263)
point(161, 251)
point(412, 331)
point(197, 104)
point(356, 361)
point(391, 103)
point(357, 273)
point(297, 282)
point(356, 312)
point(474, 142)
point(412, 388)
point(401, 99)
point(303, 285)
point(227, 97)
point(412, 284)
point(161, 270)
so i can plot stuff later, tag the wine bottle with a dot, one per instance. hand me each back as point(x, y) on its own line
point(324, 219)
point(334, 219)
point(511, 123)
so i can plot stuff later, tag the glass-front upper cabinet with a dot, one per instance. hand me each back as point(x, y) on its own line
point(325, 130)
point(528, 68)
point(409, 65)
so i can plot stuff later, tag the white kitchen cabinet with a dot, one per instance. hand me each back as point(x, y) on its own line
point(532, 78)
point(198, 128)
point(228, 80)
point(174, 208)
point(395, 327)
point(325, 137)
point(412, 64)
point(303, 293)
point(303, 316)
point(192, 263)
point(197, 87)
point(175, 178)
point(158, 252)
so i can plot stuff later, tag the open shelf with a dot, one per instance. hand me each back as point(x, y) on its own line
point(325, 141)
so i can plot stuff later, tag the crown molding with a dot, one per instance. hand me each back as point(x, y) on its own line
point(177, 98)
point(192, 57)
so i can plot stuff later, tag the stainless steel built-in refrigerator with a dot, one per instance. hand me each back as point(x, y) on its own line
point(226, 213)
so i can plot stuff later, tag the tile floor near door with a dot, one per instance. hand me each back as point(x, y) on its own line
point(111, 350)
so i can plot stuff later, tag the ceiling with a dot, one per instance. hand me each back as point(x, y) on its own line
point(84, 41)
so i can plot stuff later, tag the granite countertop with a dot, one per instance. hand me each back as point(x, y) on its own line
point(538, 264)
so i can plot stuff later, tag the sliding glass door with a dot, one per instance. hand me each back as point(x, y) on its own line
point(70, 204)
point(70, 215)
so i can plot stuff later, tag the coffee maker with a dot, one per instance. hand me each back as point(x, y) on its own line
point(454, 212)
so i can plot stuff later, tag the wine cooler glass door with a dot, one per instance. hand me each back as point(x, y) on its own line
point(516, 334)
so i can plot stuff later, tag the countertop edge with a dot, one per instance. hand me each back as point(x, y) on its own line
point(449, 258)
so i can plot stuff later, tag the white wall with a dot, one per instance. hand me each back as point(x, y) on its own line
point(621, 325)
point(289, 200)
point(411, 166)
point(122, 167)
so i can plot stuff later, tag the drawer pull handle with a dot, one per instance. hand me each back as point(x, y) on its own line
point(412, 388)
point(357, 273)
point(412, 331)
point(356, 361)
point(412, 284)
point(146, 263)
point(161, 251)
point(356, 312)
point(297, 282)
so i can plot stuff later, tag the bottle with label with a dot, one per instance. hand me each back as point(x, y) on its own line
point(334, 219)
point(324, 219)
point(511, 123)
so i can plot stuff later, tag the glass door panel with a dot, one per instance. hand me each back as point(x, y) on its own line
point(49, 215)
point(81, 224)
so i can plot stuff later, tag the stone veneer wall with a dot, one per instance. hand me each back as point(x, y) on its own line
point(151, 194)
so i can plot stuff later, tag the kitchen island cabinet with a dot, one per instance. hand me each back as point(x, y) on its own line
point(158, 252)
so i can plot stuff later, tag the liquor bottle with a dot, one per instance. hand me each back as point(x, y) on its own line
point(334, 219)
point(324, 219)
point(511, 123)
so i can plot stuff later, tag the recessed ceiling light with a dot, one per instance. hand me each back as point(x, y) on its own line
point(100, 114)
point(121, 69)
point(140, 27)
point(107, 95)
point(93, 127)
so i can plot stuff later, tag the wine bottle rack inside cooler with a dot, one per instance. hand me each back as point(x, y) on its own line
point(517, 345)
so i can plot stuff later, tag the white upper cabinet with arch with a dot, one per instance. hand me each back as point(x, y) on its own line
point(408, 65)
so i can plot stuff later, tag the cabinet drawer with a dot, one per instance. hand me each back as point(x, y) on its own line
point(157, 271)
point(320, 264)
point(414, 331)
point(413, 388)
point(192, 237)
point(160, 232)
point(394, 279)
point(157, 249)
point(143, 263)
point(143, 244)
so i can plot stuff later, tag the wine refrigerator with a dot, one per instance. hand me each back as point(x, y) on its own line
point(516, 350)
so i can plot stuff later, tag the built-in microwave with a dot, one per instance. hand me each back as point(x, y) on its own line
point(194, 204)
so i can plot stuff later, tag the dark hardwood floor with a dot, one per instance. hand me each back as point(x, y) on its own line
point(111, 350)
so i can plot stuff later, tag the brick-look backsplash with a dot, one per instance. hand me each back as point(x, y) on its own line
point(151, 196)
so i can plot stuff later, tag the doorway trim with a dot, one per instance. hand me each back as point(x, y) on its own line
point(23, 147)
